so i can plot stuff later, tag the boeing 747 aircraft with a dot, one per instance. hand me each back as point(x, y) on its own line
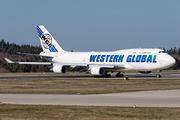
point(99, 63)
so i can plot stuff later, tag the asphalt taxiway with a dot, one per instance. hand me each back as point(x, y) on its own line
point(89, 76)
point(161, 98)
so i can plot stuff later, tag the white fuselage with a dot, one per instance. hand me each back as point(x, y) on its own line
point(131, 59)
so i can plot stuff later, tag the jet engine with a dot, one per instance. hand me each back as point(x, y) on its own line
point(59, 69)
point(97, 71)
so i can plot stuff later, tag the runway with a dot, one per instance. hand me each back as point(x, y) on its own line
point(87, 76)
point(161, 98)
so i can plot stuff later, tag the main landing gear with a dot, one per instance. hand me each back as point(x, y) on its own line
point(107, 75)
point(119, 74)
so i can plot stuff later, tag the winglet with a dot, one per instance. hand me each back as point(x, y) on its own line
point(9, 61)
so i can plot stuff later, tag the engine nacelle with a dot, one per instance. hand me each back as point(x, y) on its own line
point(97, 71)
point(59, 69)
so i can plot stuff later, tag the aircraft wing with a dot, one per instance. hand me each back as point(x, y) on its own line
point(32, 63)
point(79, 66)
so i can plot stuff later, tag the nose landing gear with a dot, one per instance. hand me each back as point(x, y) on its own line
point(159, 74)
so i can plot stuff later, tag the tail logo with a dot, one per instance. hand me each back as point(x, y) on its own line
point(47, 41)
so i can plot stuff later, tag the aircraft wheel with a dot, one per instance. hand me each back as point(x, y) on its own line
point(158, 75)
point(119, 75)
point(107, 75)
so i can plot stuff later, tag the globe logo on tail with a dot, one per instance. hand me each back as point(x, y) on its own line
point(47, 41)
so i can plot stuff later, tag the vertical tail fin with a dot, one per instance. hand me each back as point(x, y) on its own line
point(48, 43)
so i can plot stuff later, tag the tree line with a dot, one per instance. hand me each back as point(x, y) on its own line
point(172, 50)
point(12, 49)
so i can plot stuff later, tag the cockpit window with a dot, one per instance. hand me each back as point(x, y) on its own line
point(161, 51)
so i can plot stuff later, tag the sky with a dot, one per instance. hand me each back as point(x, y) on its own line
point(93, 25)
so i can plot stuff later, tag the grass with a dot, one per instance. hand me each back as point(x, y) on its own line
point(35, 112)
point(86, 86)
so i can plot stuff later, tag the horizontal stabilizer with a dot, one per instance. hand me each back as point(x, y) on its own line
point(35, 55)
point(35, 63)
point(32, 63)
point(27, 54)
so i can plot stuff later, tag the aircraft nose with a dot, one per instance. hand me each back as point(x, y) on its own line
point(167, 61)
point(171, 61)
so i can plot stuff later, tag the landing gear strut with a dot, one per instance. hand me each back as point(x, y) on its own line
point(158, 75)
point(119, 74)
